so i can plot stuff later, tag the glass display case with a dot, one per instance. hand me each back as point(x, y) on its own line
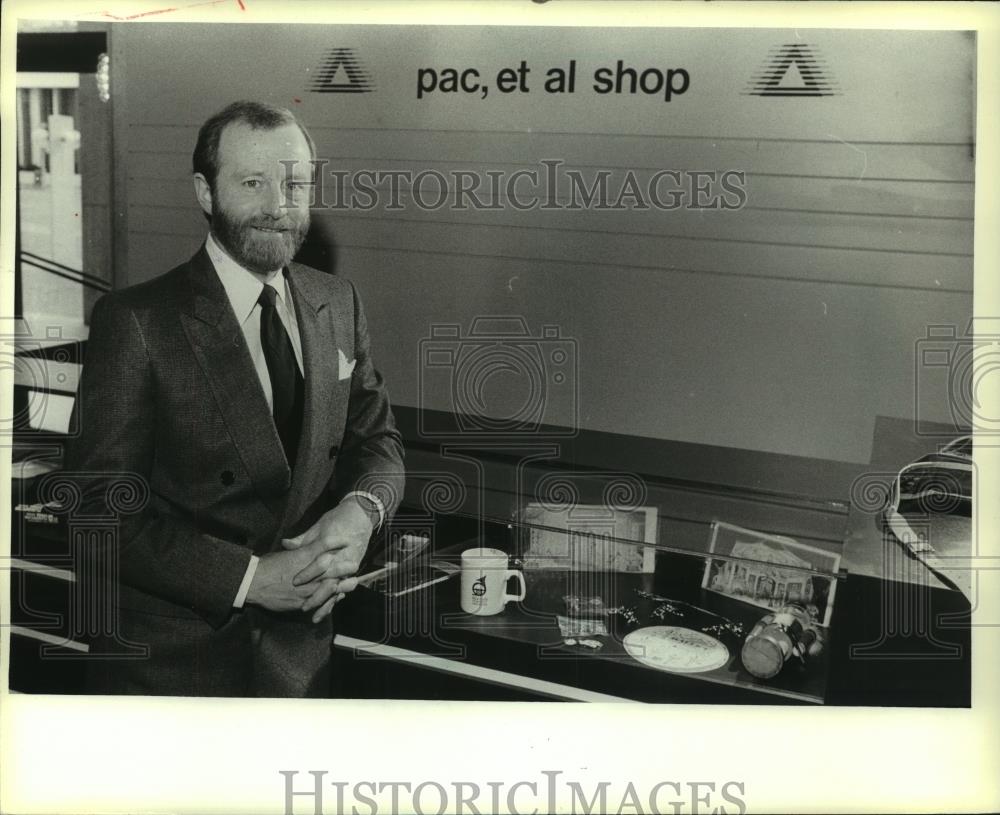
point(604, 584)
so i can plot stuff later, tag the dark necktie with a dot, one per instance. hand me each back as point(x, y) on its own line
point(286, 380)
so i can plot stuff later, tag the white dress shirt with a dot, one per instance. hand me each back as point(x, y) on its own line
point(243, 289)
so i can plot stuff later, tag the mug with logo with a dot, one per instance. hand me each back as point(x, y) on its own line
point(485, 574)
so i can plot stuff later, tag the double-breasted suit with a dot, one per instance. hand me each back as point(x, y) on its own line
point(169, 392)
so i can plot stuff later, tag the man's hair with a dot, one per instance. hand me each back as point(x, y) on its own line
point(257, 115)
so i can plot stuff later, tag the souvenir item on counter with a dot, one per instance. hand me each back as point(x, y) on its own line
point(485, 574)
point(680, 650)
point(790, 632)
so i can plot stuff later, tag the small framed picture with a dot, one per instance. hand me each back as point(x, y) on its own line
point(596, 538)
point(769, 571)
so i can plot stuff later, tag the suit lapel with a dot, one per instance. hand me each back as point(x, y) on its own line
point(319, 361)
point(218, 343)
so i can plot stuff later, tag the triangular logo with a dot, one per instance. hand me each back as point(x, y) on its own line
point(341, 72)
point(793, 69)
point(793, 78)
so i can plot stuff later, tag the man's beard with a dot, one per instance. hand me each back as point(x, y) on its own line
point(258, 251)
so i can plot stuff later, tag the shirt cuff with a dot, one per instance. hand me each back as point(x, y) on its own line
point(241, 595)
point(379, 506)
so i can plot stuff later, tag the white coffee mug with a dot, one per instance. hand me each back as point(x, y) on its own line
point(485, 573)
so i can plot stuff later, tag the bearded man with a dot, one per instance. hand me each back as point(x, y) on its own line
point(240, 388)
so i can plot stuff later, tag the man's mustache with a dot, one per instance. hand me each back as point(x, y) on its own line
point(286, 226)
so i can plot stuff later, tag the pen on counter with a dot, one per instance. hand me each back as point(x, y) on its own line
point(371, 577)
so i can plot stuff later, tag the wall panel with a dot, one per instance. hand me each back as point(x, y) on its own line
point(785, 326)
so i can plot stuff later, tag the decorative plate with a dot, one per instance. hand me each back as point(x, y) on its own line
point(680, 650)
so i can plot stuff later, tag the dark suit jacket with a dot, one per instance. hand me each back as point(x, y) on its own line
point(169, 392)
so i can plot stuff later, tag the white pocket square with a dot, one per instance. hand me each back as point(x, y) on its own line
point(345, 368)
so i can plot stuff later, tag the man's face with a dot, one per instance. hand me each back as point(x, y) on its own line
point(259, 206)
